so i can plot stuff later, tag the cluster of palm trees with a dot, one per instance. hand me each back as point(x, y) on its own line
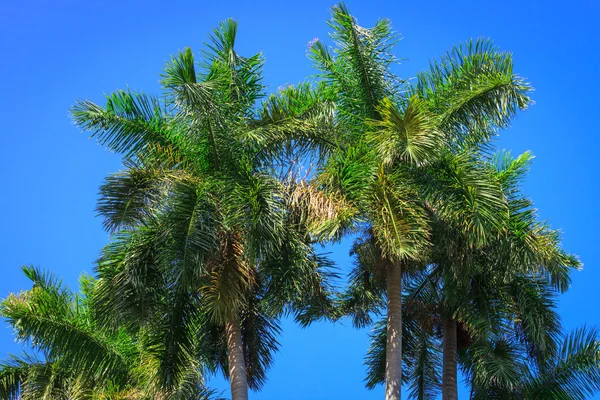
point(226, 194)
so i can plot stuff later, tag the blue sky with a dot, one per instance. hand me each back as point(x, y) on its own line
point(55, 52)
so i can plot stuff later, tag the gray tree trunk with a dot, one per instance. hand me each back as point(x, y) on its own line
point(449, 384)
point(237, 362)
point(393, 350)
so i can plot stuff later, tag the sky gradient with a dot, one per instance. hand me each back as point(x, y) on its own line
point(53, 53)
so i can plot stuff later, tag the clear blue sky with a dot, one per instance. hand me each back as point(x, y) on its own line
point(55, 52)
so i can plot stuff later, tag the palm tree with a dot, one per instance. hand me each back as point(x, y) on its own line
point(469, 294)
point(523, 356)
point(206, 242)
point(506, 255)
point(81, 359)
point(385, 133)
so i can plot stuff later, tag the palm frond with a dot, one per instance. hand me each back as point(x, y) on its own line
point(13, 375)
point(574, 374)
point(460, 189)
point(411, 137)
point(364, 55)
point(365, 295)
point(474, 91)
point(400, 224)
point(129, 122)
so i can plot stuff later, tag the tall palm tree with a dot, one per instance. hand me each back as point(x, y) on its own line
point(385, 133)
point(522, 354)
point(469, 294)
point(79, 358)
point(522, 247)
point(205, 240)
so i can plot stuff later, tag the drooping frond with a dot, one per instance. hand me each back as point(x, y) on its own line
point(491, 363)
point(13, 375)
point(399, 221)
point(173, 344)
point(133, 197)
point(536, 321)
point(297, 281)
point(574, 374)
point(325, 216)
point(462, 191)
point(259, 335)
point(130, 280)
point(365, 296)
point(424, 359)
point(375, 358)
point(40, 316)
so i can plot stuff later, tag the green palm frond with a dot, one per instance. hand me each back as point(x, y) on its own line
point(295, 122)
point(130, 280)
point(185, 91)
point(79, 355)
point(259, 334)
point(411, 137)
point(511, 171)
point(173, 345)
point(239, 77)
point(399, 221)
point(128, 123)
point(303, 101)
point(364, 55)
point(421, 356)
point(365, 296)
point(254, 204)
point(538, 324)
point(296, 280)
point(375, 358)
point(461, 190)
point(493, 363)
point(133, 197)
point(13, 375)
point(350, 173)
point(424, 360)
point(474, 91)
point(191, 229)
point(574, 373)
point(36, 318)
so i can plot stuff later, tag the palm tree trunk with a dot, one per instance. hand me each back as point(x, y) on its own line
point(237, 362)
point(393, 350)
point(449, 384)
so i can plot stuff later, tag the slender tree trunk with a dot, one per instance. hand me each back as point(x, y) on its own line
point(449, 384)
point(393, 350)
point(237, 362)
